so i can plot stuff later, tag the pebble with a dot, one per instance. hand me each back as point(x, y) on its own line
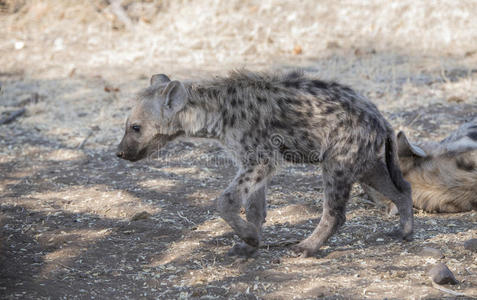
point(471, 245)
point(441, 274)
point(141, 216)
point(432, 252)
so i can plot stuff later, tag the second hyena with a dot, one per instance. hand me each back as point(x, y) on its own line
point(443, 175)
point(263, 120)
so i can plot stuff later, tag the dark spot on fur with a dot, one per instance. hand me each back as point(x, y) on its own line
point(231, 90)
point(292, 84)
point(249, 170)
point(250, 106)
point(346, 106)
point(246, 190)
point(261, 100)
point(465, 165)
point(240, 102)
point(293, 101)
point(243, 114)
point(278, 124)
point(247, 178)
point(213, 93)
point(339, 173)
point(309, 114)
point(232, 120)
point(291, 132)
point(233, 102)
point(240, 181)
point(294, 75)
point(329, 110)
point(301, 123)
point(259, 179)
point(319, 84)
point(472, 136)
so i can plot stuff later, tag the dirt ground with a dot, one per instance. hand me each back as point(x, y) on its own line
point(76, 222)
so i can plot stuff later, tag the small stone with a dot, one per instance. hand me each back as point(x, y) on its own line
point(441, 274)
point(19, 45)
point(432, 252)
point(141, 216)
point(297, 50)
point(455, 99)
point(471, 245)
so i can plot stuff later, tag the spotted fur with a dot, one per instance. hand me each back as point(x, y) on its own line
point(264, 120)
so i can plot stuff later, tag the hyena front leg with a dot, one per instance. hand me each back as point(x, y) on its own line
point(337, 190)
point(245, 184)
point(256, 212)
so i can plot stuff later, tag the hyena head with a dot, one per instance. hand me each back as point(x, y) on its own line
point(154, 120)
point(452, 148)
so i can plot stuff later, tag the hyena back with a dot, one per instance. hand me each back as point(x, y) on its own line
point(443, 175)
point(263, 120)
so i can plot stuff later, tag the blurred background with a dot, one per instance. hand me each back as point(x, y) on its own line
point(76, 222)
point(59, 37)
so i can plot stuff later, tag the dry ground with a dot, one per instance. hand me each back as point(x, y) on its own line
point(70, 211)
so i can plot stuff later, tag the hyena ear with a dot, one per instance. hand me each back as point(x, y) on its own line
point(159, 78)
point(406, 149)
point(175, 97)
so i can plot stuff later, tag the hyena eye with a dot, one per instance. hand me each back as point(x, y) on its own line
point(136, 128)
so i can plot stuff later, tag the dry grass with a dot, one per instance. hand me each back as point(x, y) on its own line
point(67, 35)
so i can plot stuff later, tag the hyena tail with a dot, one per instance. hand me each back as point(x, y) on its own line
point(392, 162)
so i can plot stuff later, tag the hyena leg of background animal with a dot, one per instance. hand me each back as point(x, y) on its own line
point(380, 200)
point(256, 214)
point(380, 180)
point(337, 191)
point(239, 191)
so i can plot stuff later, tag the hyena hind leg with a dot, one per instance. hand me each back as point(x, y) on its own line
point(379, 179)
point(256, 212)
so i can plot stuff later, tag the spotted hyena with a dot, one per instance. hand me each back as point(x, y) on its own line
point(443, 175)
point(263, 120)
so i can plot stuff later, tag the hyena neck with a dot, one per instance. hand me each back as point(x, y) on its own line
point(201, 116)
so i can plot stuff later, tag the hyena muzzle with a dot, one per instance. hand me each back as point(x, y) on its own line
point(264, 120)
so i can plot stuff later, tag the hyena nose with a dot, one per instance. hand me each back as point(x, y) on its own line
point(120, 154)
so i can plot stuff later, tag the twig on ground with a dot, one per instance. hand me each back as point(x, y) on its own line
point(416, 117)
point(442, 289)
point(12, 116)
point(80, 146)
point(281, 243)
point(185, 218)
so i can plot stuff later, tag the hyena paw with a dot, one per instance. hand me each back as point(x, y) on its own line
point(400, 235)
point(242, 249)
point(251, 241)
point(250, 235)
point(305, 249)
